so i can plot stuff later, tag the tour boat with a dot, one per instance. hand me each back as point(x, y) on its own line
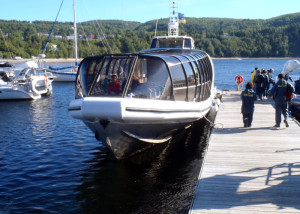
point(158, 91)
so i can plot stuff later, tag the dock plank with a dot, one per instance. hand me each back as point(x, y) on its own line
point(249, 170)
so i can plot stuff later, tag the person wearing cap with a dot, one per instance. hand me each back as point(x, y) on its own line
point(248, 97)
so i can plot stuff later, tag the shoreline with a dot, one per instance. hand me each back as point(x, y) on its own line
point(62, 60)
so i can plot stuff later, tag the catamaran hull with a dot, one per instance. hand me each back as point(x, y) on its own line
point(11, 94)
point(130, 126)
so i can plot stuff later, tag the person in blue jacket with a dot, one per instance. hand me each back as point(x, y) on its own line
point(248, 97)
point(278, 93)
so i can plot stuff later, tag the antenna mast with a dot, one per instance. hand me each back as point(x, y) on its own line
point(173, 26)
point(75, 34)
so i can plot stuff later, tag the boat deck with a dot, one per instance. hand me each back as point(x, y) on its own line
point(249, 170)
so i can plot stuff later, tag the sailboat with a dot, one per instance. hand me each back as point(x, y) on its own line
point(67, 74)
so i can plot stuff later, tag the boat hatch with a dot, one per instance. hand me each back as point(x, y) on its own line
point(147, 75)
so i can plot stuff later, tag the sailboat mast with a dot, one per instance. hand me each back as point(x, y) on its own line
point(75, 34)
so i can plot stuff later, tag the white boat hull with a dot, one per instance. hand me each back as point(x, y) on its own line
point(16, 94)
point(25, 86)
point(128, 126)
point(68, 76)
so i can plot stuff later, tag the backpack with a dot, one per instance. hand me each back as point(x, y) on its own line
point(288, 94)
point(259, 79)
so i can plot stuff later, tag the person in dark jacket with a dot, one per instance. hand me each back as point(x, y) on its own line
point(265, 84)
point(258, 81)
point(297, 86)
point(248, 97)
point(271, 80)
point(281, 104)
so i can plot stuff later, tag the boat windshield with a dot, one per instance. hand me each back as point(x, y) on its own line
point(146, 78)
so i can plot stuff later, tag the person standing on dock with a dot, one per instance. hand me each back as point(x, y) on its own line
point(271, 80)
point(281, 104)
point(253, 73)
point(258, 81)
point(265, 84)
point(248, 98)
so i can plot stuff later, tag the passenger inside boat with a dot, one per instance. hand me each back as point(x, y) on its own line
point(114, 87)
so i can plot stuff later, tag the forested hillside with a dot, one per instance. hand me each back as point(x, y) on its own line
point(220, 37)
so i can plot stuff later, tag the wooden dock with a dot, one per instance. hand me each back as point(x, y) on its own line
point(249, 170)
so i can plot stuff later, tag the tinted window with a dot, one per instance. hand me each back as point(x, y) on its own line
point(187, 43)
point(153, 43)
point(170, 43)
point(191, 80)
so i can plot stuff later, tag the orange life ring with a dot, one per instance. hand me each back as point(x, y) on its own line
point(239, 79)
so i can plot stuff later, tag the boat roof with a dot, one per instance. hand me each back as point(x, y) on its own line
point(162, 53)
point(174, 37)
point(157, 52)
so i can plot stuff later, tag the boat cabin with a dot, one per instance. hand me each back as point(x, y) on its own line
point(179, 75)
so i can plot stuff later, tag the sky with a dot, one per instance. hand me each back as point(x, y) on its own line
point(143, 10)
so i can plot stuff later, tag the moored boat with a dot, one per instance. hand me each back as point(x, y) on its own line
point(63, 74)
point(28, 84)
point(152, 94)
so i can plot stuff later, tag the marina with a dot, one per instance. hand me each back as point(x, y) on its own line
point(143, 119)
point(52, 163)
point(249, 170)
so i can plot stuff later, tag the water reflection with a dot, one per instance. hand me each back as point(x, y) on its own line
point(51, 163)
point(161, 180)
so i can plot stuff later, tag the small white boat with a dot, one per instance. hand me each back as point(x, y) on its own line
point(30, 83)
point(63, 74)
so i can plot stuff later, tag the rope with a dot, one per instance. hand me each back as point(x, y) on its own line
point(107, 44)
point(87, 40)
point(105, 38)
point(45, 47)
point(100, 37)
point(6, 44)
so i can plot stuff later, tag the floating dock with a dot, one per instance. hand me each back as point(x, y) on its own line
point(249, 170)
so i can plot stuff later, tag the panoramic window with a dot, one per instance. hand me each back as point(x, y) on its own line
point(150, 80)
point(103, 76)
point(191, 80)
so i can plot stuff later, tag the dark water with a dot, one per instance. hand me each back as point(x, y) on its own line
point(51, 163)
